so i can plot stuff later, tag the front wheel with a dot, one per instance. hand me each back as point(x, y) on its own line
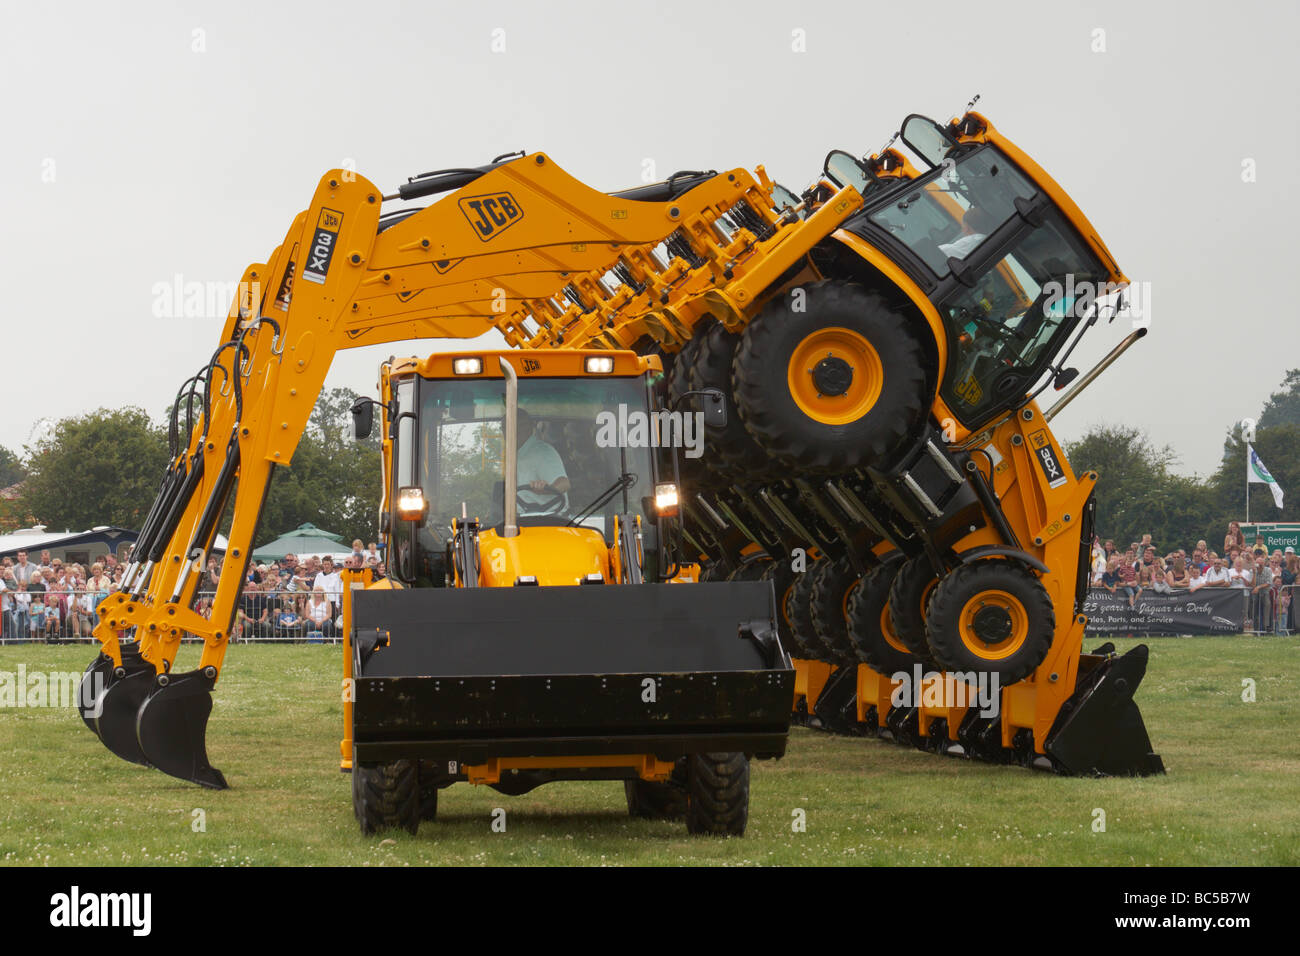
point(386, 796)
point(717, 786)
point(993, 617)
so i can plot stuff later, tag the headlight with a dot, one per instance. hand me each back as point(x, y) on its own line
point(666, 500)
point(467, 366)
point(599, 364)
point(411, 505)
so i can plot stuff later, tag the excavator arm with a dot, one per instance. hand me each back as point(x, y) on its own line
point(521, 247)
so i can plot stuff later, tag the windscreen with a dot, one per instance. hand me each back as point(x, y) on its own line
point(581, 456)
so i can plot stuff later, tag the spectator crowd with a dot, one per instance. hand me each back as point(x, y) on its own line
point(1266, 580)
point(289, 599)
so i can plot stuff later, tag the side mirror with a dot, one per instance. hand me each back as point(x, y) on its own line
point(1064, 377)
point(844, 169)
point(927, 139)
point(714, 404)
point(363, 418)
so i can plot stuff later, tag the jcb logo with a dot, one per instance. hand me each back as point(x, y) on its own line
point(1047, 459)
point(531, 365)
point(491, 215)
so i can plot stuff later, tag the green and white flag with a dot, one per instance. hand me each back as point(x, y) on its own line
point(1256, 472)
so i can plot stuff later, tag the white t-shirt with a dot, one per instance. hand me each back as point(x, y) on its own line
point(331, 584)
point(1215, 575)
point(320, 613)
point(1239, 579)
point(538, 461)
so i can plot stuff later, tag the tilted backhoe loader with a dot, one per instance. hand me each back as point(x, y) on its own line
point(877, 343)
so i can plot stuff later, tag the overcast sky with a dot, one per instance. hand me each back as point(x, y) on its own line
point(138, 150)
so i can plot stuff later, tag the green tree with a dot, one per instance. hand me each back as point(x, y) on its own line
point(1283, 406)
point(99, 468)
point(1137, 490)
point(11, 468)
point(333, 482)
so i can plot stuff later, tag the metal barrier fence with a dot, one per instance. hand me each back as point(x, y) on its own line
point(264, 617)
point(292, 617)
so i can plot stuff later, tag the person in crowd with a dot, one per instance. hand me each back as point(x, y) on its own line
point(1286, 594)
point(1234, 538)
point(7, 588)
point(1216, 575)
point(1098, 560)
point(251, 618)
point(1146, 579)
point(287, 621)
point(1260, 547)
point(1261, 595)
point(330, 581)
point(321, 613)
point(1195, 579)
point(1128, 579)
point(23, 569)
point(1239, 576)
point(35, 609)
point(358, 548)
point(53, 617)
point(1177, 577)
point(372, 553)
point(1110, 579)
point(84, 611)
point(212, 577)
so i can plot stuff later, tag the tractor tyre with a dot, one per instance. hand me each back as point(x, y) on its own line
point(909, 596)
point(731, 450)
point(992, 617)
point(717, 786)
point(871, 626)
point(386, 796)
point(694, 472)
point(832, 589)
point(782, 578)
point(798, 610)
point(831, 377)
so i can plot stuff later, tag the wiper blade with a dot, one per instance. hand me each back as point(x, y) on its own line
point(623, 481)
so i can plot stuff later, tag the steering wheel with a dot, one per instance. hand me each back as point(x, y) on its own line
point(546, 507)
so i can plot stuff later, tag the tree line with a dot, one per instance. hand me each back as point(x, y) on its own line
point(104, 468)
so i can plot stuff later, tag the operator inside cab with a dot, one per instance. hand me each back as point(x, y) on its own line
point(543, 484)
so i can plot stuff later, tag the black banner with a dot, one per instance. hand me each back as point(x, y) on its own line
point(1205, 611)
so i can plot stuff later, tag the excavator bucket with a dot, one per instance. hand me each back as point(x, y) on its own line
point(110, 697)
point(1099, 731)
point(466, 675)
point(171, 727)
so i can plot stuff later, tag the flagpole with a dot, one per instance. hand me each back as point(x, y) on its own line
point(1247, 483)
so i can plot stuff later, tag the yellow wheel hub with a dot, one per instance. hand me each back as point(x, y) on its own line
point(887, 629)
point(835, 376)
point(993, 625)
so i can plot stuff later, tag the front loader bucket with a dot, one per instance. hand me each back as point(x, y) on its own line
point(469, 674)
point(1099, 731)
point(110, 697)
point(172, 725)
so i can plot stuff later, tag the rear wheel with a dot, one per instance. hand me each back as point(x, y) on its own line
point(386, 796)
point(994, 617)
point(718, 793)
point(909, 596)
point(831, 592)
point(693, 470)
point(871, 627)
point(830, 377)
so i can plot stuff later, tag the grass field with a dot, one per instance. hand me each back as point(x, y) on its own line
point(1231, 797)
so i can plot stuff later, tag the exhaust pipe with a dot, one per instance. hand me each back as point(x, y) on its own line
point(510, 526)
